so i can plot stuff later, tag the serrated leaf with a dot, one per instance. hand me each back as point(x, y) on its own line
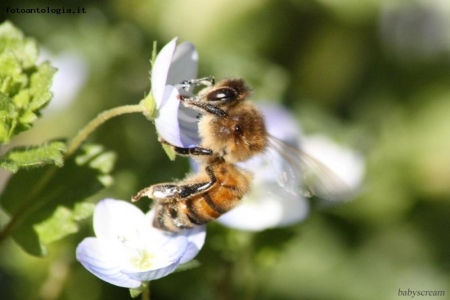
point(59, 225)
point(30, 157)
point(23, 85)
point(63, 222)
point(83, 210)
point(32, 196)
point(12, 38)
point(22, 99)
point(28, 117)
point(9, 67)
point(41, 82)
point(9, 165)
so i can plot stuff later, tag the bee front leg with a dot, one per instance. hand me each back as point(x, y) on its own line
point(187, 151)
point(206, 81)
point(168, 192)
point(202, 105)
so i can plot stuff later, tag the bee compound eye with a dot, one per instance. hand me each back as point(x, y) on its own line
point(222, 94)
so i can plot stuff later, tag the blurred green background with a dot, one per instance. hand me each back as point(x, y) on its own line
point(371, 74)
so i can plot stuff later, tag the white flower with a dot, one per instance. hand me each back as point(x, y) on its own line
point(175, 123)
point(128, 250)
point(268, 204)
point(347, 164)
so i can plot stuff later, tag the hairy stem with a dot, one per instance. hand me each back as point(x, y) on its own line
point(99, 120)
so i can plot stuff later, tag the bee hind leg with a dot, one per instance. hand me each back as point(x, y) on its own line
point(163, 192)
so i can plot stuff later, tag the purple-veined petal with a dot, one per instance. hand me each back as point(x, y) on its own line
point(188, 122)
point(154, 274)
point(167, 120)
point(113, 218)
point(184, 64)
point(100, 258)
point(196, 239)
point(176, 124)
point(160, 71)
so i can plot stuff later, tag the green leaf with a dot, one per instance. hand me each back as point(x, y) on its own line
point(37, 156)
point(12, 38)
point(24, 86)
point(63, 222)
point(32, 196)
point(57, 226)
point(83, 210)
point(41, 82)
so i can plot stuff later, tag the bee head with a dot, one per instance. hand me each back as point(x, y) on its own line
point(227, 92)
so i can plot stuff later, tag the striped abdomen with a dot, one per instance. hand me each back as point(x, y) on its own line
point(230, 186)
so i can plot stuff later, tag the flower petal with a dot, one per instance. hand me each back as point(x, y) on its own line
point(167, 120)
point(266, 206)
point(100, 258)
point(154, 274)
point(160, 71)
point(184, 64)
point(347, 164)
point(113, 218)
point(196, 239)
point(188, 123)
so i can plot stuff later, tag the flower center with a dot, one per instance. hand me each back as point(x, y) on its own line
point(138, 255)
point(142, 259)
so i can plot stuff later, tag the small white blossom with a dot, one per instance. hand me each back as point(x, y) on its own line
point(128, 250)
point(175, 123)
point(347, 164)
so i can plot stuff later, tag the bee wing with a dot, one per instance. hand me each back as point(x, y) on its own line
point(299, 172)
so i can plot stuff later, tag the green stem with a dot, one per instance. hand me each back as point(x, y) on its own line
point(99, 120)
point(146, 292)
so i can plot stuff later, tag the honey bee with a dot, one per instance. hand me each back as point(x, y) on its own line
point(232, 130)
